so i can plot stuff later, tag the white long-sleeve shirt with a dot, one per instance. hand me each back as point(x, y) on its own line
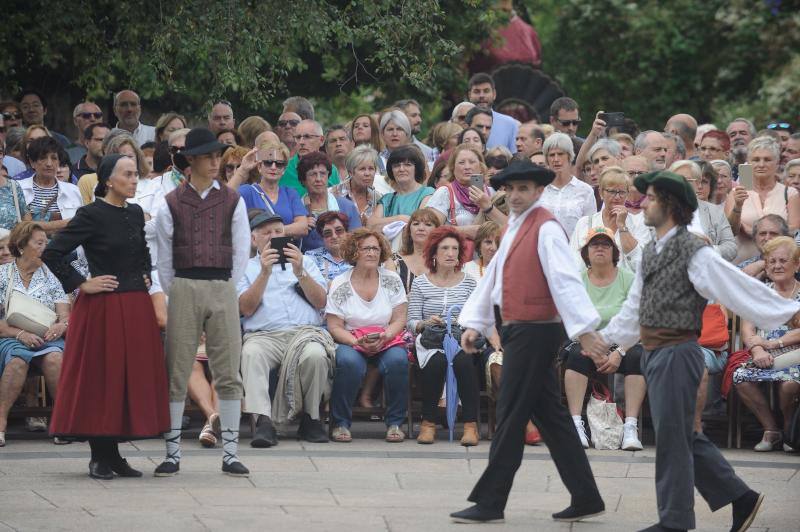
point(572, 302)
point(716, 279)
point(240, 236)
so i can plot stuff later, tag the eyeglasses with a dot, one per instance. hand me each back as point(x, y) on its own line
point(370, 249)
point(327, 233)
point(567, 123)
point(291, 123)
point(230, 168)
point(175, 149)
point(600, 244)
point(12, 116)
point(635, 173)
point(783, 126)
point(306, 137)
point(615, 193)
point(278, 164)
point(87, 116)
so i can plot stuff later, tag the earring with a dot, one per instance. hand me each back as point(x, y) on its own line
point(434, 262)
point(110, 185)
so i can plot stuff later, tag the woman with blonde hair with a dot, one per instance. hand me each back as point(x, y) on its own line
point(250, 128)
point(167, 123)
point(443, 137)
point(123, 144)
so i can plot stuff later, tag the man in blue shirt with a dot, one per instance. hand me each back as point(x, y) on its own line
point(504, 128)
point(280, 301)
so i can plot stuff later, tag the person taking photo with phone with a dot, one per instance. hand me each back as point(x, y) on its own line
point(764, 195)
point(459, 203)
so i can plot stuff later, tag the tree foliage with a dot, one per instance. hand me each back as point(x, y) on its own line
point(190, 52)
point(711, 58)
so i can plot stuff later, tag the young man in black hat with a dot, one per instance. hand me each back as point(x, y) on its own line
point(203, 239)
point(532, 291)
point(678, 274)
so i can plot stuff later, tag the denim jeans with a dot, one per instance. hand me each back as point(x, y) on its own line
point(351, 366)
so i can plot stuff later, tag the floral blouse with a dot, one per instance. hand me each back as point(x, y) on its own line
point(373, 198)
point(44, 286)
point(9, 217)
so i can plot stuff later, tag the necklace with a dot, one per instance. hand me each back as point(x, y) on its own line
point(790, 292)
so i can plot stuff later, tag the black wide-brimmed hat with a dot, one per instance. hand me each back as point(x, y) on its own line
point(200, 141)
point(673, 183)
point(523, 171)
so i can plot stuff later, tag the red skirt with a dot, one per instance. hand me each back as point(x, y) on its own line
point(113, 380)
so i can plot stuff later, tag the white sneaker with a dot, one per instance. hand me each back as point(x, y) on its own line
point(630, 438)
point(581, 433)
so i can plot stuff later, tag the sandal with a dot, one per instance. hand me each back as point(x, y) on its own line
point(769, 444)
point(341, 435)
point(395, 435)
point(2, 439)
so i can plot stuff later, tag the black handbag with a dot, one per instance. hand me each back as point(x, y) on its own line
point(432, 337)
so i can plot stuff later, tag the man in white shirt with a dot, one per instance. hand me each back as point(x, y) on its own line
point(678, 274)
point(128, 109)
point(288, 335)
point(532, 292)
point(203, 243)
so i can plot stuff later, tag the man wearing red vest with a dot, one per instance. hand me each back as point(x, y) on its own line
point(203, 238)
point(532, 291)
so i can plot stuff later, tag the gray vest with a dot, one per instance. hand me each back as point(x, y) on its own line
point(669, 300)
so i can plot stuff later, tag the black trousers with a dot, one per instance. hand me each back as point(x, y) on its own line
point(433, 378)
point(529, 390)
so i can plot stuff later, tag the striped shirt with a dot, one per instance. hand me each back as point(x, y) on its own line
point(426, 299)
point(42, 197)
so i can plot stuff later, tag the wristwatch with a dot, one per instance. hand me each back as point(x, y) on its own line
point(303, 275)
point(490, 209)
point(623, 229)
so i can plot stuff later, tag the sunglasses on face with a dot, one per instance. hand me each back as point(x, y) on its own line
point(291, 123)
point(230, 168)
point(87, 116)
point(780, 126)
point(175, 149)
point(12, 116)
point(268, 163)
point(567, 123)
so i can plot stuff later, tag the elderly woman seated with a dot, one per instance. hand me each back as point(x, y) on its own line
point(782, 258)
point(608, 287)
point(19, 348)
point(366, 315)
point(628, 230)
point(332, 226)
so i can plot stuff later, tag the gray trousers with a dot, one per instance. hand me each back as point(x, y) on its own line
point(684, 458)
point(264, 351)
point(197, 306)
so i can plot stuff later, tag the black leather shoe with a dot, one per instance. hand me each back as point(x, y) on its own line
point(577, 513)
point(235, 469)
point(312, 430)
point(100, 470)
point(265, 435)
point(123, 469)
point(167, 469)
point(477, 514)
point(745, 509)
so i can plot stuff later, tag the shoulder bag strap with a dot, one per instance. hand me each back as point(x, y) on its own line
point(9, 288)
point(452, 204)
point(16, 199)
point(264, 198)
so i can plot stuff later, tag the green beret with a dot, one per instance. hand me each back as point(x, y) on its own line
point(671, 182)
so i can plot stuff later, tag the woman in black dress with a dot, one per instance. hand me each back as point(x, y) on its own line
point(113, 384)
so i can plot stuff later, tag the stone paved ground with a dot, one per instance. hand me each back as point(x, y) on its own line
point(367, 485)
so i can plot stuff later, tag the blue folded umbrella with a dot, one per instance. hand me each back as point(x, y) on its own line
point(451, 349)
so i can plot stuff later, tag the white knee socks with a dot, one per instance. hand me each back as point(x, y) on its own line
point(229, 417)
point(173, 437)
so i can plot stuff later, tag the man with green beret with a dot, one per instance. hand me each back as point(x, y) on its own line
point(678, 274)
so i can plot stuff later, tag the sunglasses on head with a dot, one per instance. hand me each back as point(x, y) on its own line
point(497, 162)
point(284, 123)
point(12, 116)
point(87, 116)
point(278, 164)
point(780, 126)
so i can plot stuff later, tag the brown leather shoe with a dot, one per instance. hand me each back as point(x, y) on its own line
point(471, 436)
point(427, 432)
